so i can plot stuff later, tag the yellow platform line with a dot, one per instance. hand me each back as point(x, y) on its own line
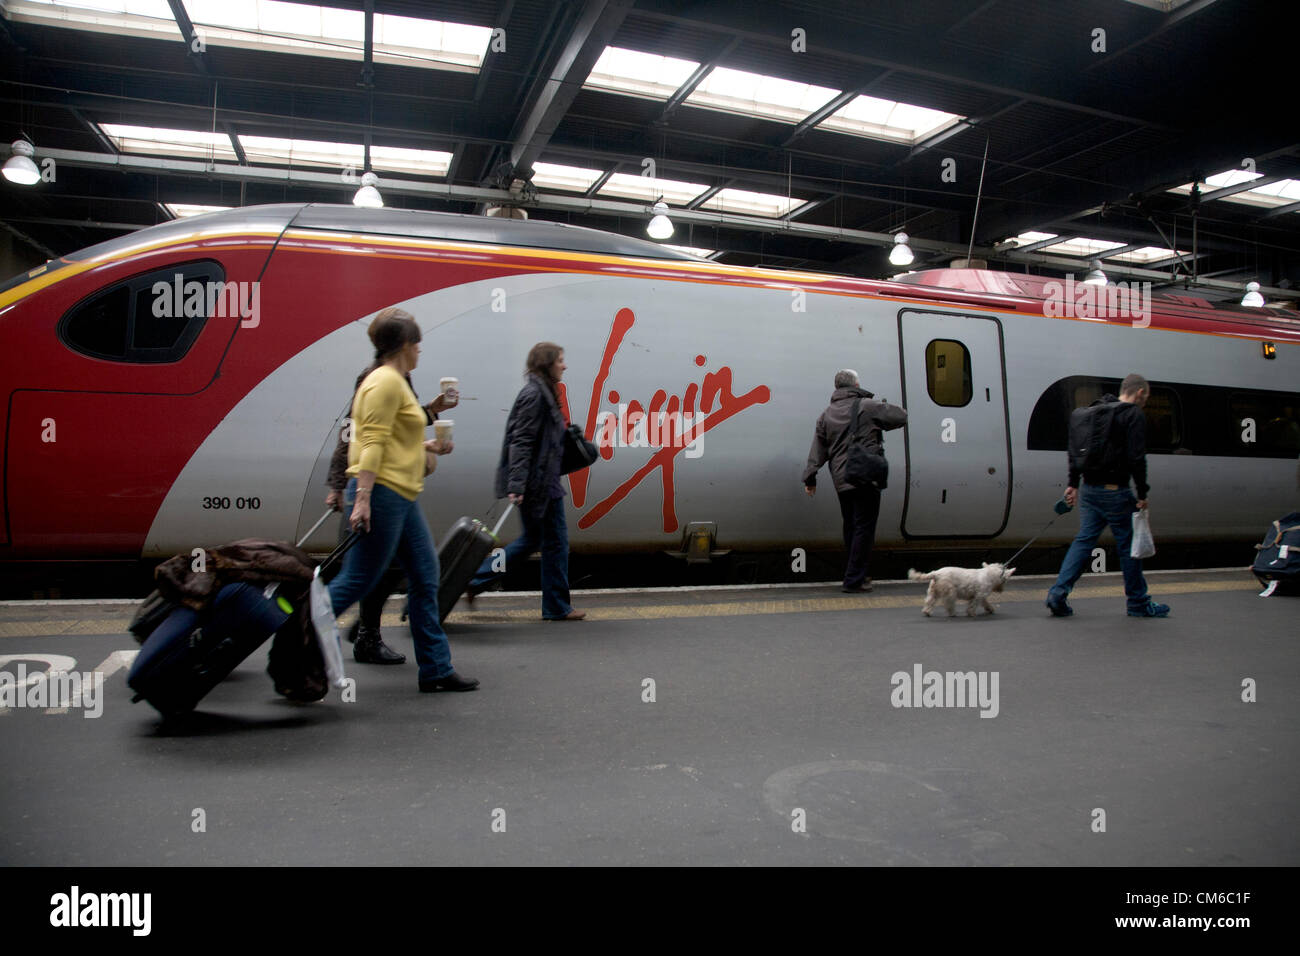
point(912, 597)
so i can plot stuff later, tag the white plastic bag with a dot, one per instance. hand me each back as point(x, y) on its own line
point(327, 632)
point(1143, 544)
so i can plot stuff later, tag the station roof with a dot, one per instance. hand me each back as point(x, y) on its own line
point(801, 134)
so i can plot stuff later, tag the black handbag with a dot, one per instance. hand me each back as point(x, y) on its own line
point(578, 452)
point(864, 468)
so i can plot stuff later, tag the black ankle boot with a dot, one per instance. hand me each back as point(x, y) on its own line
point(371, 649)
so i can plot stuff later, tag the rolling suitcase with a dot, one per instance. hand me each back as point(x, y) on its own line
point(463, 550)
point(191, 652)
point(1278, 557)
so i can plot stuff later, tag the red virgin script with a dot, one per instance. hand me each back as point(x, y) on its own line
point(716, 400)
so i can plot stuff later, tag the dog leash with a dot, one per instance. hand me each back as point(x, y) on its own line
point(1068, 509)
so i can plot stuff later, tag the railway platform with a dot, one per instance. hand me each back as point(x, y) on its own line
point(754, 725)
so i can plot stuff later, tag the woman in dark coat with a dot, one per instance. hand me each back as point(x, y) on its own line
point(529, 475)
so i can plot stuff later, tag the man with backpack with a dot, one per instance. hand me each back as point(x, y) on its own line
point(1107, 447)
point(858, 467)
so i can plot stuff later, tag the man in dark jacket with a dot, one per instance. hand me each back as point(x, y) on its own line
point(859, 506)
point(1107, 500)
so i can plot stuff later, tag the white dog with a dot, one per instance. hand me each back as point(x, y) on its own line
point(950, 585)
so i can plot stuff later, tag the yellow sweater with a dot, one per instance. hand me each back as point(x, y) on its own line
point(388, 433)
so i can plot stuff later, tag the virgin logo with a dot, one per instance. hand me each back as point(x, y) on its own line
point(669, 424)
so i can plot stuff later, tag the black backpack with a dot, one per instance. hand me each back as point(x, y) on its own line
point(1091, 450)
point(1278, 557)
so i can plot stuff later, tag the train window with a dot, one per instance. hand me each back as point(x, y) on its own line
point(1266, 424)
point(948, 373)
point(144, 319)
point(1181, 419)
point(99, 326)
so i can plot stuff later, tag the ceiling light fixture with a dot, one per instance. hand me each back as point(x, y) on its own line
point(19, 168)
point(660, 227)
point(1096, 276)
point(901, 254)
point(368, 196)
point(1252, 299)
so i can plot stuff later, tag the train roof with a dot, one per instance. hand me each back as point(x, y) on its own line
point(408, 223)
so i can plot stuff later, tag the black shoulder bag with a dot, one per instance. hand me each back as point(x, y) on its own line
point(864, 468)
point(578, 452)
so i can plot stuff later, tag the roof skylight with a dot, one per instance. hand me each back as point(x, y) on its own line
point(275, 25)
point(888, 120)
point(305, 152)
point(756, 204)
point(1025, 238)
point(1146, 255)
point(572, 178)
point(1087, 248)
point(1280, 193)
point(752, 94)
point(629, 186)
point(639, 74)
point(187, 143)
point(183, 210)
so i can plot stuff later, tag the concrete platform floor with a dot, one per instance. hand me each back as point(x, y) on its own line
point(772, 737)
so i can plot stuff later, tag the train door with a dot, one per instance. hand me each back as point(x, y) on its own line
point(958, 457)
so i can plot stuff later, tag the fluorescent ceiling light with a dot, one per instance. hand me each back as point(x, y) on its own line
point(1164, 6)
point(629, 186)
point(693, 250)
point(573, 178)
point(1146, 255)
point(306, 152)
point(888, 120)
point(189, 143)
point(183, 210)
point(752, 94)
point(758, 204)
point(639, 74)
point(274, 25)
point(1085, 248)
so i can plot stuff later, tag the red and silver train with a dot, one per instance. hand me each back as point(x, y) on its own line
point(182, 386)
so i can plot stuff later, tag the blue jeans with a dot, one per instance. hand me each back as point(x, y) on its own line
point(550, 532)
point(397, 529)
point(1097, 509)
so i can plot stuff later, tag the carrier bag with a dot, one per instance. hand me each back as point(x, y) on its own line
point(1277, 558)
point(1143, 544)
point(463, 550)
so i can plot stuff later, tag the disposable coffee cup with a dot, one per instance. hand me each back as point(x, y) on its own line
point(448, 382)
point(442, 428)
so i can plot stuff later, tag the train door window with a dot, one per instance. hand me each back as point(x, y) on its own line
point(145, 319)
point(948, 373)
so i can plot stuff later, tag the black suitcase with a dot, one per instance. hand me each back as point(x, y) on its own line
point(463, 550)
point(1278, 557)
point(190, 653)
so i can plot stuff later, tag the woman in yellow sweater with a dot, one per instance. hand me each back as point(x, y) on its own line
point(386, 459)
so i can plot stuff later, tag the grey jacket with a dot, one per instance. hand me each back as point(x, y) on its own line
point(830, 441)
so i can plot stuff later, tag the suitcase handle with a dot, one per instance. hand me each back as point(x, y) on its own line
point(502, 520)
point(313, 528)
point(342, 549)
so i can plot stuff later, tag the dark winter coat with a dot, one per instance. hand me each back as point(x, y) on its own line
point(830, 441)
point(533, 448)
